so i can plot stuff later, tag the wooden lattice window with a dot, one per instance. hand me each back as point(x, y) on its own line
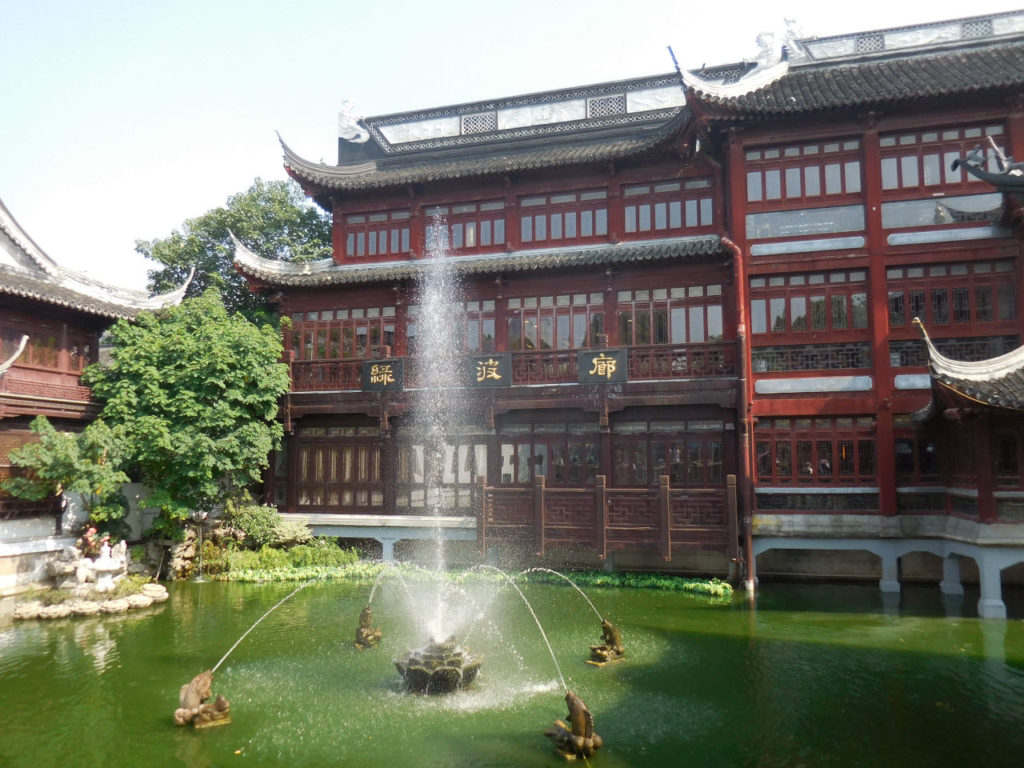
point(564, 217)
point(975, 296)
point(376, 235)
point(816, 451)
point(668, 207)
point(819, 302)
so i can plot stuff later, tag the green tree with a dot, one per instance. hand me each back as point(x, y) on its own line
point(88, 463)
point(274, 219)
point(195, 392)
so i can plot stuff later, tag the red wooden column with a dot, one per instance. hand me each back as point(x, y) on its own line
point(600, 517)
point(878, 303)
point(1015, 147)
point(665, 517)
point(984, 470)
point(481, 512)
point(538, 514)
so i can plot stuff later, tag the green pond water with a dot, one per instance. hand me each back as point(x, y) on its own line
point(810, 676)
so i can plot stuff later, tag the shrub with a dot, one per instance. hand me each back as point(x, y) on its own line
point(288, 533)
point(258, 522)
point(323, 552)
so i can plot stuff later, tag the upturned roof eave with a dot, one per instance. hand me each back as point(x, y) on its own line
point(484, 160)
point(325, 273)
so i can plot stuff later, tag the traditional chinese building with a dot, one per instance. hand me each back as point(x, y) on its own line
point(854, 213)
point(669, 289)
point(51, 319)
point(596, 309)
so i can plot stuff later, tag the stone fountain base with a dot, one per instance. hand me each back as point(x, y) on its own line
point(438, 668)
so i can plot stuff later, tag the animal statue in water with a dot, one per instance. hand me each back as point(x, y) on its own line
point(578, 739)
point(192, 706)
point(367, 635)
point(612, 648)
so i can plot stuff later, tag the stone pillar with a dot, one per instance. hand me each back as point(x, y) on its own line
point(950, 584)
point(387, 553)
point(990, 605)
point(890, 581)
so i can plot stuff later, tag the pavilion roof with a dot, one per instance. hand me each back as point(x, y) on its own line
point(997, 382)
point(940, 59)
point(28, 272)
point(598, 123)
point(271, 272)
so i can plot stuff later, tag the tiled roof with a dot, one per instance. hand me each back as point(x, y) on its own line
point(325, 272)
point(27, 271)
point(585, 146)
point(941, 59)
point(997, 382)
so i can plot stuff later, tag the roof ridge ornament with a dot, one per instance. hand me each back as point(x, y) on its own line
point(350, 125)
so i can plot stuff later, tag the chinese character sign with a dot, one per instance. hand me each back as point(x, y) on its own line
point(603, 366)
point(490, 371)
point(383, 375)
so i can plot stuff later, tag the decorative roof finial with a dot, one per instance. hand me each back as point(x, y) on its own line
point(350, 126)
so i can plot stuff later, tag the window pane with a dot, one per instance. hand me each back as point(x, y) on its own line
point(851, 171)
point(833, 179)
point(1007, 302)
point(643, 327)
point(660, 216)
point(917, 304)
point(890, 176)
point(773, 185)
point(859, 301)
point(645, 218)
point(932, 169)
point(715, 325)
point(697, 324)
point(679, 325)
point(792, 182)
point(515, 334)
point(812, 181)
point(625, 328)
point(570, 225)
point(675, 214)
point(540, 223)
point(838, 313)
point(819, 313)
point(601, 221)
point(983, 303)
point(824, 459)
point(556, 226)
point(961, 306)
point(897, 313)
point(758, 317)
point(846, 465)
point(660, 326)
point(908, 169)
point(940, 305)
point(526, 229)
point(783, 461)
point(866, 458)
point(778, 315)
point(579, 330)
point(523, 453)
point(753, 187)
point(798, 313)
point(587, 222)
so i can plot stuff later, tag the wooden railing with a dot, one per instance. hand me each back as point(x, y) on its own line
point(605, 519)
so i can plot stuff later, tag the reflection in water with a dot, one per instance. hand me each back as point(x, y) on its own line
point(819, 676)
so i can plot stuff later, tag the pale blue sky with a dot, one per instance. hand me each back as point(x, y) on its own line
point(119, 119)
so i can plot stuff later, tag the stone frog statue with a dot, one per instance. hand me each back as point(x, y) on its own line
point(192, 706)
point(612, 648)
point(578, 739)
point(366, 635)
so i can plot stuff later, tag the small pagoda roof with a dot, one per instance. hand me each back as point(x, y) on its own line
point(598, 123)
point(939, 59)
point(274, 273)
point(28, 272)
point(997, 382)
